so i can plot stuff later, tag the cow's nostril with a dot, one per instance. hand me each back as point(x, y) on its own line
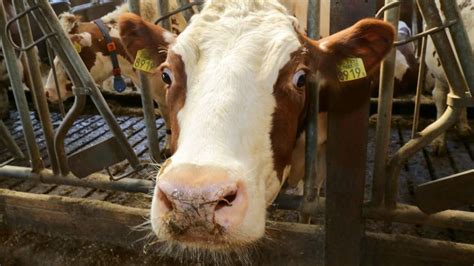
point(47, 94)
point(226, 201)
point(164, 199)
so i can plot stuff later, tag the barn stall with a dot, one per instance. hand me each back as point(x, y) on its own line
point(87, 175)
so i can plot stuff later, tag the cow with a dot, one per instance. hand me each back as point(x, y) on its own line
point(92, 48)
point(236, 89)
point(441, 88)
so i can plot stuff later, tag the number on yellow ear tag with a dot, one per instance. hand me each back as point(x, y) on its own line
point(351, 69)
point(143, 61)
point(77, 47)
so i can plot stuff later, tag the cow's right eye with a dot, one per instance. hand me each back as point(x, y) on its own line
point(167, 76)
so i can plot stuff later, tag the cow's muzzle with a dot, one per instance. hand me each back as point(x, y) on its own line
point(199, 202)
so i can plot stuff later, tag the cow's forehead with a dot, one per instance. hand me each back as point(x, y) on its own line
point(261, 37)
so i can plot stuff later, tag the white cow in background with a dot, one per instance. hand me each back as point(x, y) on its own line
point(441, 88)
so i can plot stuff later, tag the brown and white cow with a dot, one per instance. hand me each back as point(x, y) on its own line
point(92, 49)
point(236, 90)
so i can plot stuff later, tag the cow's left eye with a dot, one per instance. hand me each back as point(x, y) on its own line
point(167, 76)
point(299, 78)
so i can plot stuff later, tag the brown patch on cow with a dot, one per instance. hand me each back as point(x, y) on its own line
point(290, 111)
point(175, 95)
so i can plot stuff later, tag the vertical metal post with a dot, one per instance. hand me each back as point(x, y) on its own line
point(186, 13)
point(37, 85)
point(164, 9)
point(419, 87)
point(147, 102)
point(346, 155)
point(313, 107)
point(20, 98)
point(460, 40)
point(384, 113)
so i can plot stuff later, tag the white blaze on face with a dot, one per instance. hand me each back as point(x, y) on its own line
point(232, 62)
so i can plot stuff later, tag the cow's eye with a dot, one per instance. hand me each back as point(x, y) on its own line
point(167, 76)
point(299, 78)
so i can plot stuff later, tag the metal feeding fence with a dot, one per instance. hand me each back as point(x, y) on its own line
point(346, 241)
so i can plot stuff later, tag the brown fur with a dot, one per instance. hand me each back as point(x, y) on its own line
point(176, 95)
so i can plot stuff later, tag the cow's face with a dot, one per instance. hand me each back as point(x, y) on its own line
point(237, 95)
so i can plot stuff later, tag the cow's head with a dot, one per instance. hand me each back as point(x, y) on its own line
point(237, 96)
point(92, 48)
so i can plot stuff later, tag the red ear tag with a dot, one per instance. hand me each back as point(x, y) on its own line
point(111, 47)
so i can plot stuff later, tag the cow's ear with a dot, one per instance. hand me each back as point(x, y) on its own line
point(369, 39)
point(137, 34)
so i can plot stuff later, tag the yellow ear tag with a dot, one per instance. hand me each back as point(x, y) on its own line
point(143, 61)
point(77, 47)
point(351, 69)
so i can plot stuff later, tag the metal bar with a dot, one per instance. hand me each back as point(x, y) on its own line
point(164, 9)
point(423, 138)
point(425, 33)
point(460, 40)
point(419, 87)
point(147, 102)
point(400, 249)
point(88, 82)
point(55, 76)
point(384, 113)
point(458, 88)
point(188, 13)
point(20, 98)
point(409, 214)
point(178, 10)
point(456, 81)
point(39, 97)
point(449, 192)
point(98, 181)
point(9, 142)
point(313, 108)
point(346, 154)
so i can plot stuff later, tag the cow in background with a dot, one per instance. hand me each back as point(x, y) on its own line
point(236, 88)
point(441, 88)
point(92, 48)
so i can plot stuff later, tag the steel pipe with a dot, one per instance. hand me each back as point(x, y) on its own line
point(458, 89)
point(9, 142)
point(384, 112)
point(422, 139)
point(188, 13)
point(379, 248)
point(419, 87)
point(409, 214)
point(147, 102)
point(461, 41)
point(311, 136)
point(97, 181)
point(19, 94)
point(37, 85)
point(164, 9)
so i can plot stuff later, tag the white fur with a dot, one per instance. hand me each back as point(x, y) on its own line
point(233, 51)
point(401, 65)
point(86, 39)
